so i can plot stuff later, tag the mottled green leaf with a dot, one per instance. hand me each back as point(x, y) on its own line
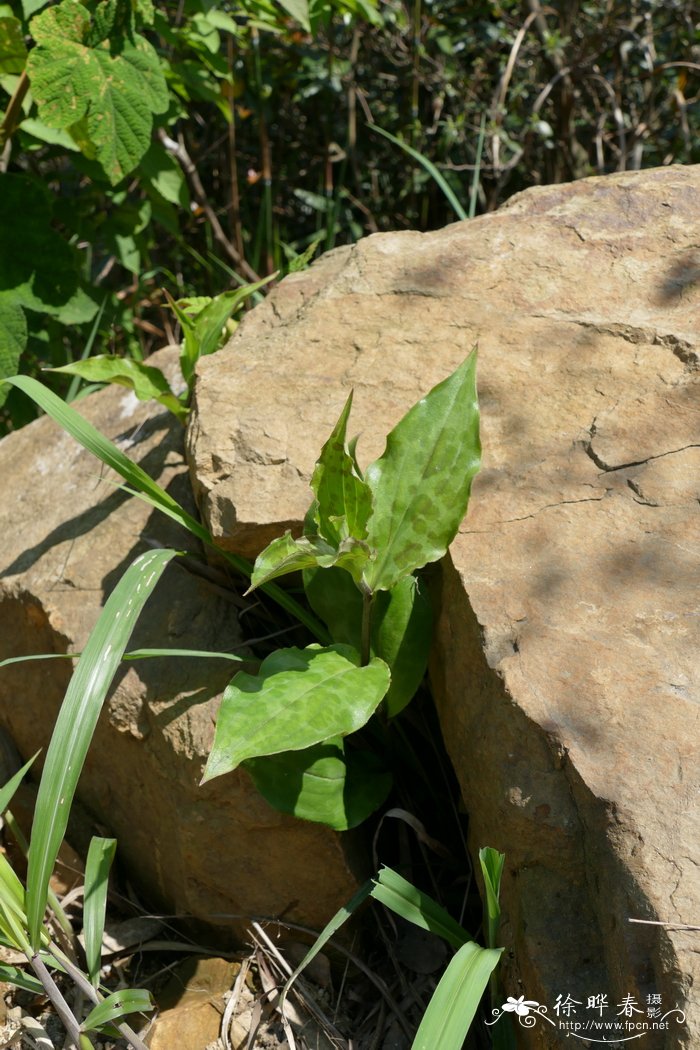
point(402, 622)
point(147, 382)
point(328, 783)
point(343, 500)
point(401, 625)
point(422, 482)
point(13, 51)
point(13, 338)
point(117, 93)
point(299, 698)
point(286, 554)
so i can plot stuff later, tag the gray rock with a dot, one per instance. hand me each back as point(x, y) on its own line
point(565, 666)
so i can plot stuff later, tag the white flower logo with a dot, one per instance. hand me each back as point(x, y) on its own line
point(521, 1006)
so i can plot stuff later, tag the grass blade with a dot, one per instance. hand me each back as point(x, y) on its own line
point(438, 177)
point(456, 999)
point(99, 861)
point(76, 723)
point(118, 1004)
point(8, 790)
point(147, 489)
point(417, 907)
point(134, 654)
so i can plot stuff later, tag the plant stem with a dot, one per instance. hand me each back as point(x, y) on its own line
point(367, 598)
point(13, 113)
point(57, 1001)
point(94, 996)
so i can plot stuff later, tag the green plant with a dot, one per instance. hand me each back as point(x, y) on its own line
point(364, 539)
point(23, 911)
point(456, 999)
point(205, 324)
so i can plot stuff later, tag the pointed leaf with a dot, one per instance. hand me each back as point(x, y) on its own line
point(434, 172)
point(327, 783)
point(299, 10)
point(147, 382)
point(343, 500)
point(76, 724)
point(417, 907)
point(285, 555)
point(7, 792)
point(99, 861)
point(299, 698)
point(421, 484)
point(491, 862)
point(456, 999)
point(118, 1004)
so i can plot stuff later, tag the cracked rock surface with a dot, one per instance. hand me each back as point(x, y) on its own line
point(68, 534)
point(565, 666)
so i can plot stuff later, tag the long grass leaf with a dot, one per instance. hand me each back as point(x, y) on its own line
point(436, 175)
point(99, 861)
point(76, 724)
point(134, 654)
point(456, 999)
point(148, 490)
point(417, 907)
point(8, 790)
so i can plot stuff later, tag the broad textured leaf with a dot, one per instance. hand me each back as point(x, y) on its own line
point(299, 698)
point(343, 500)
point(13, 51)
point(285, 555)
point(118, 1004)
point(13, 338)
point(456, 999)
point(421, 484)
point(327, 783)
point(99, 861)
point(147, 382)
point(117, 93)
point(401, 626)
point(76, 724)
point(417, 907)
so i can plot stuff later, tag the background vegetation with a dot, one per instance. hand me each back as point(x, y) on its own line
point(249, 138)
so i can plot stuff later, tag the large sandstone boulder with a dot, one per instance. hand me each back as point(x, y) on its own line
point(565, 664)
point(67, 535)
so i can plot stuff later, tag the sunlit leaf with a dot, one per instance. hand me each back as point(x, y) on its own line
point(99, 860)
point(421, 484)
point(456, 999)
point(299, 698)
point(118, 1004)
point(147, 382)
point(76, 723)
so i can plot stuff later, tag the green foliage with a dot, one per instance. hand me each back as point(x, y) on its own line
point(458, 994)
point(98, 79)
point(300, 697)
point(99, 861)
point(365, 538)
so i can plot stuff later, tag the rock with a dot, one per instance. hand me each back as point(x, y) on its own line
point(68, 535)
point(192, 1004)
point(565, 664)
